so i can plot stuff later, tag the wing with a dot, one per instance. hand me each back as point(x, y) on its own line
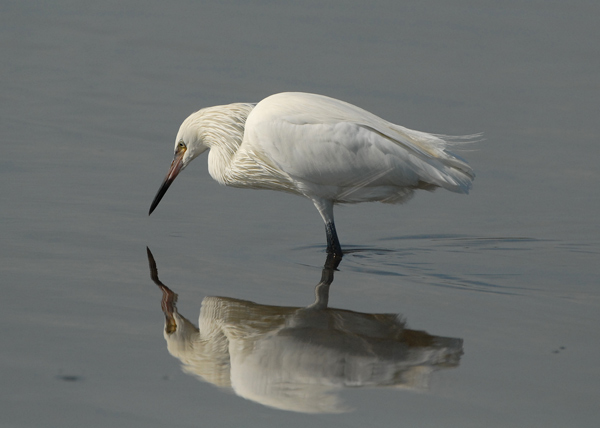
point(324, 141)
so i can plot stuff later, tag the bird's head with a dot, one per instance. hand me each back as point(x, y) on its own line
point(188, 145)
point(219, 126)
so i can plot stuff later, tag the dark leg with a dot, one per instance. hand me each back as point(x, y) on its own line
point(325, 207)
point(333, 243)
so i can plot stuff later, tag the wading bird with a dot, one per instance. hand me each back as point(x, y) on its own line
point(327, 150)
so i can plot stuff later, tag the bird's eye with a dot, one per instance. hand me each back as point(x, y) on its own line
point(181, 146)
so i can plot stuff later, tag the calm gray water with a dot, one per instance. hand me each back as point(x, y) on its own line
point(505, 281)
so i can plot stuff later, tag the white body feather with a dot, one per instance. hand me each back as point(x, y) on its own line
point(324, 149)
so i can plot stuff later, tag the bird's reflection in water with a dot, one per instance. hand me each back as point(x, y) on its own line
point(298, 359)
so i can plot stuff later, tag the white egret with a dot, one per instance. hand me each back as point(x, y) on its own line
point(311, 145)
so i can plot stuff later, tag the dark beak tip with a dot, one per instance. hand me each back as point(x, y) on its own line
point(176, 167)
point(159, 195)
point(152, 207)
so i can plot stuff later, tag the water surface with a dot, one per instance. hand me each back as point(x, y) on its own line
point(508, 275)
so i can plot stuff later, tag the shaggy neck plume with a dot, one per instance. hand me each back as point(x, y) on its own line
point(221, 129)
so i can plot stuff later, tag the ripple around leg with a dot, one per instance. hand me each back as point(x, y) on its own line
point(474, 263)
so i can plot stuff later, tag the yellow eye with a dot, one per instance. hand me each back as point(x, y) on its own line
point(181, 146)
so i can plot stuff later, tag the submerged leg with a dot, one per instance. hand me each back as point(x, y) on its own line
point(325, 208)
point(322, 288)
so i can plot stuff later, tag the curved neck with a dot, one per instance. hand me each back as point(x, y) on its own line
point(223, 132)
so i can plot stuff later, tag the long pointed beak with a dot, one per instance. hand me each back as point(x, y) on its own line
point(174, 170)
